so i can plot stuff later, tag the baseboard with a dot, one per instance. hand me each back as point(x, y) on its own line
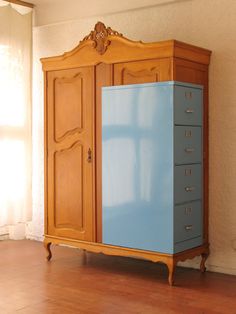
point(222, 270)
point(4, 233)
point(4, 236)
point(34, 237)
point(212, 268)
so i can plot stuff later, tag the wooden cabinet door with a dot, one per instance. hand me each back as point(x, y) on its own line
point(146, 71)
point(70, 148)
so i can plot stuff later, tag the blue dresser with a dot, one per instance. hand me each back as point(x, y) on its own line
point(152, 178)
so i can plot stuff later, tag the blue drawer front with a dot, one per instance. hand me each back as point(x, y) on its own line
point(188, 244)
point(188, 145)
point(188, 183)
point(187, 221)
point(137, 167)
point(187, 105)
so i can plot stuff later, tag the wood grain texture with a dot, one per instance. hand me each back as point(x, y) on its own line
point(70, 136)
point(125, 50)
point(168, 259)
point(104, 284)
point(112, 60)
point(147, 71)
point(99, 36)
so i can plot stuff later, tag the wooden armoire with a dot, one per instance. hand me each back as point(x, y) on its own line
point(73, 133)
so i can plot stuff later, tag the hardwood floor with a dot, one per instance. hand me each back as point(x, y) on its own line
point(104, 285)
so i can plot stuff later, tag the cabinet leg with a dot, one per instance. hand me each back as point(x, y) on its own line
point(171, 267)
point(47, 246)
point(203, 261)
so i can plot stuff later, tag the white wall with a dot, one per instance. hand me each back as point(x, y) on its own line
point(205, 23)
point(55, 11)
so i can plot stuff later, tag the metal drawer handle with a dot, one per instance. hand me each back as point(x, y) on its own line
point(188, 227)
point(188, 172)
point(189, 110)
point(189, 150)
point(188, 95)
point(189, 188)
point(89, 159)
point(188, 133)
point(188, 210)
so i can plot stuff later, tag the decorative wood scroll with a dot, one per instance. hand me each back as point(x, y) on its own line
point(100, 37)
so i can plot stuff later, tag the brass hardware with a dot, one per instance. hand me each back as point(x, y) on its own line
point(188, 210)
point(189, 150)
point(89, 159)
point(188, 172)
point(188, 133)
point(188, 227)
point(189, 110)
point(189, 188)
point(188, 95)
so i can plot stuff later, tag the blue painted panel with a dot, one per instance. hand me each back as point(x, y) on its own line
point(139, 151)
point(137, 166)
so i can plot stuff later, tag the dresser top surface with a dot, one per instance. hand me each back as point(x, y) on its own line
point(167, 83)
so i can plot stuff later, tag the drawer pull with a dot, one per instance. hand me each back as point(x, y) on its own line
point(188, 227)
point(189, 150)
point(188, 133)
point(189, 188)
point(189, 110)
point(188, 172)
point(188, 210)
point(188, 95)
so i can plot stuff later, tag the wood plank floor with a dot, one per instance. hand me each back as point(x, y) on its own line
point(105, 285)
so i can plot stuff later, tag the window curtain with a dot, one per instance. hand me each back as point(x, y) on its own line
point(15, 114)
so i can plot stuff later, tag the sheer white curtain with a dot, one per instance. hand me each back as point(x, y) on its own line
point(15, 115)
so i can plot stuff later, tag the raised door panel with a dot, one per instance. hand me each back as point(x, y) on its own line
point(142, 72)
point(70, 148)
point(69, 187)
point(68, 105)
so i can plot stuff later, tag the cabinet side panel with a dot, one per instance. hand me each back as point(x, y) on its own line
point(45, 154)
point(197, 73)
point(104, 77)
point(137, 167)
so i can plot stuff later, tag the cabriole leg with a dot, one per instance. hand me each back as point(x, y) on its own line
point(47, 246)
point(203, 261)
point(171, 267)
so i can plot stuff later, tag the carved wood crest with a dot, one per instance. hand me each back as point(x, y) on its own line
point(100, 37)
